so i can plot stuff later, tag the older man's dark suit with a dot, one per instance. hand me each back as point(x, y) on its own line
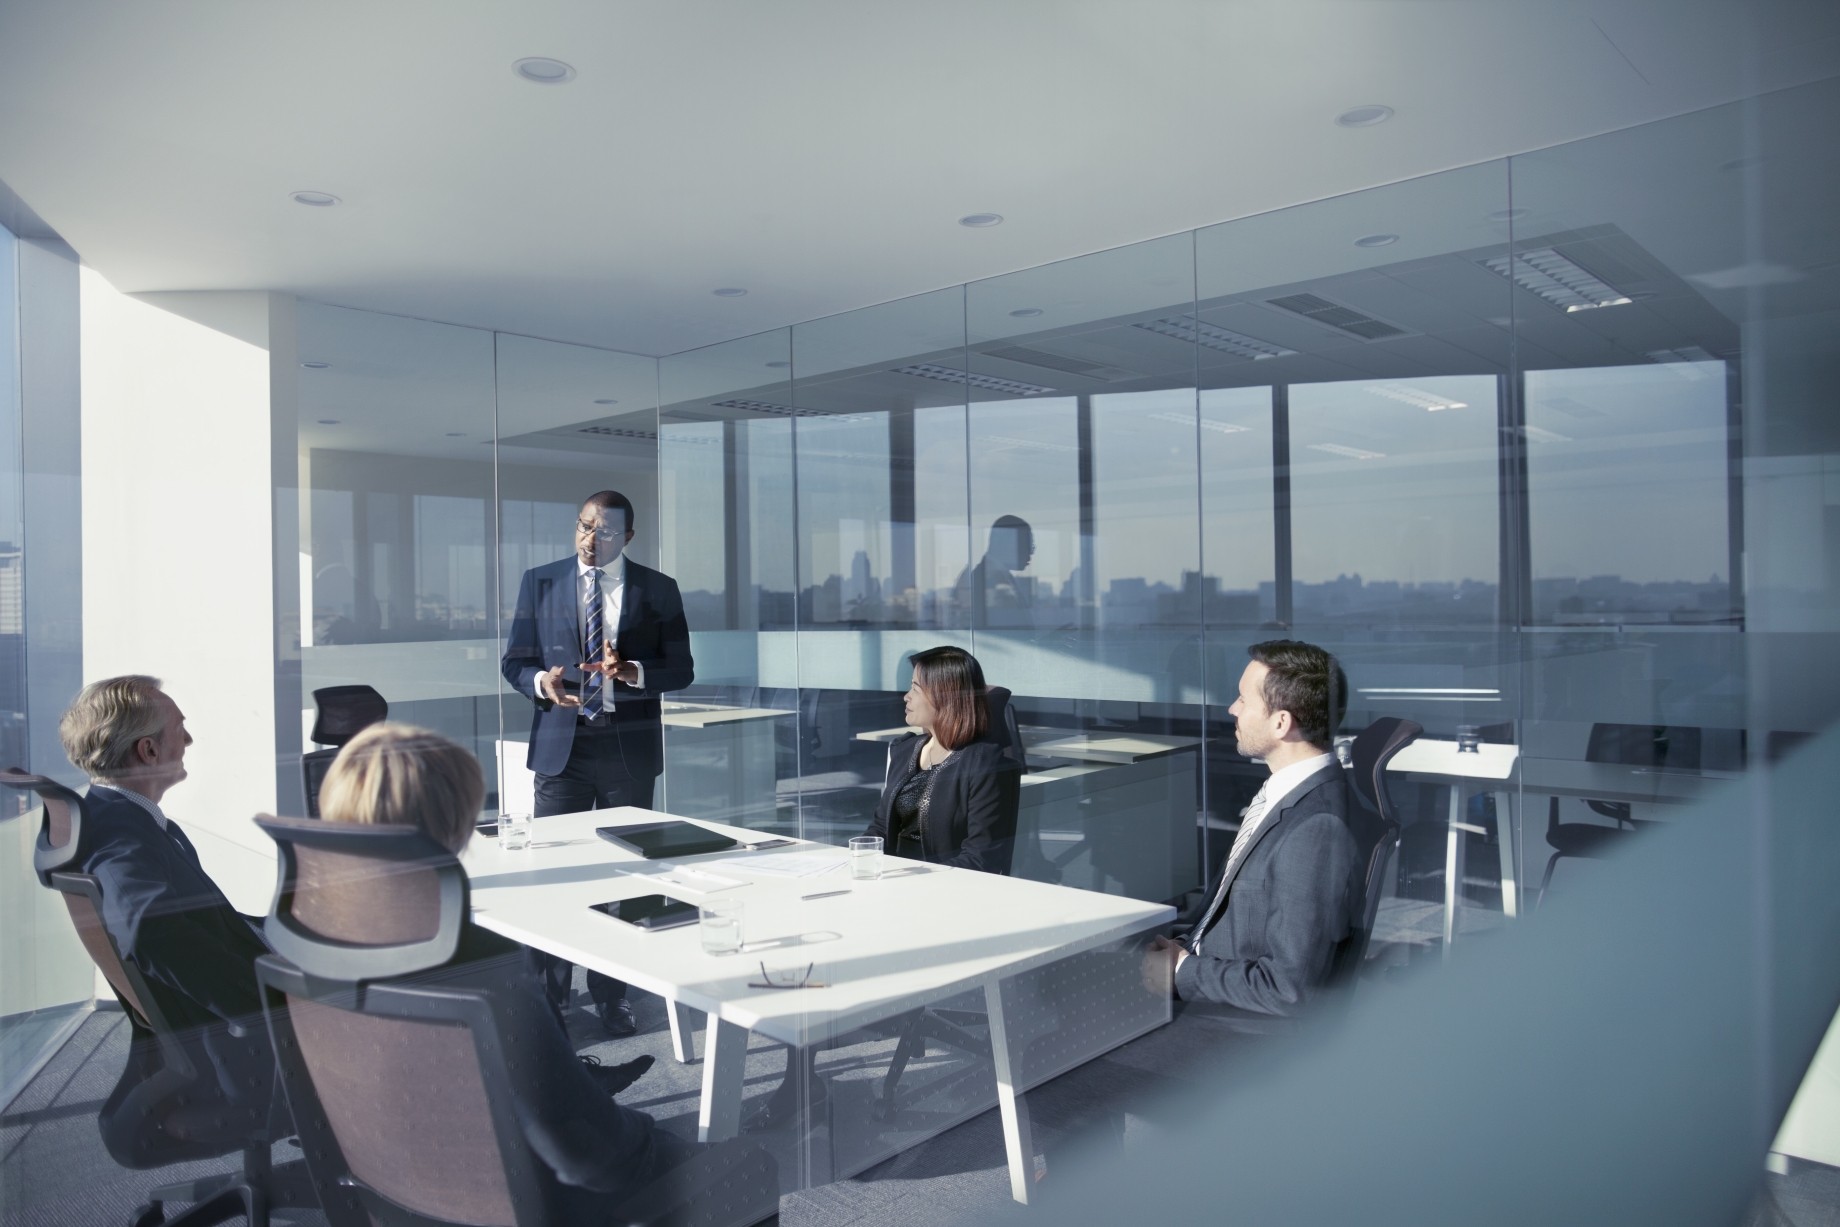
point(196, 952)
point(1294, 897)
point(588, 766)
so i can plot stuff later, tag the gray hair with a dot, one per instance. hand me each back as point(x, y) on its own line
point(105, 721)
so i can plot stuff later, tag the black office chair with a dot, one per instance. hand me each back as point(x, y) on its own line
point(403, 1088)
point(1632, 745)
point(1373, 748)
point(166, 1107)
point(343, 711)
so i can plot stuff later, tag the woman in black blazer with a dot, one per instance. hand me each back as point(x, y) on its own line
point(951, 793)
point(950, 798)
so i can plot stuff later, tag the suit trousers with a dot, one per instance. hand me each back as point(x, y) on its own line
point(596, 777)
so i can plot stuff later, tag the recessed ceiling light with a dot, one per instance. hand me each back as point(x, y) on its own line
point(1026, 313)
point(606, 400)
point(1508, 215)
point(542, 70)
point(318, 200)
point(1376, 240)
point(729, 291)
point(328, 421)
point(779, 366)
point(978, 221)
point(1364, 117)
point(317, 366)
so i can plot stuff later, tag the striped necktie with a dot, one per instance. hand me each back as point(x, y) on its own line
point(594, 641)
point(1242, 843)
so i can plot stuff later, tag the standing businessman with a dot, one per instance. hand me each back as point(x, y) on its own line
point(595, 640)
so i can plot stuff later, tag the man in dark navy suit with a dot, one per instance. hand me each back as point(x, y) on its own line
point(595, 640)
point(163, 911)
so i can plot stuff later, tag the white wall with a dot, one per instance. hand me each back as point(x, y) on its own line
point(177, 565)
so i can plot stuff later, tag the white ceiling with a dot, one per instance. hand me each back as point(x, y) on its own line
point(816, 152)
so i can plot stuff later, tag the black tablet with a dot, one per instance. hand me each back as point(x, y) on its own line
point(650, 911)
point(654, 840)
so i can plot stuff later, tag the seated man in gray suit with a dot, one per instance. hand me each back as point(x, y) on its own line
point(1262, 942)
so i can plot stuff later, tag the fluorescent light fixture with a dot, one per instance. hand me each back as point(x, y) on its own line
point(1748, 276)
point(620, 432)
point(1352, 453)
point(1376, 240)
point(317, 365)
point(760, 406)
point(1539, 434)
point(1365, 116)
point(1418, 398)
point(1025, 313)
point(456, 434)
point(1558, 280)
point(1449, 690)
point(730, 291)
point(980, 221)
point(1687, 361)
point(987, 383)
point(606, 400)
point(541, 70)
point(328, 421)
point(779, 366)
point(317, 200)
point(1188, 328)
point(1182, 419)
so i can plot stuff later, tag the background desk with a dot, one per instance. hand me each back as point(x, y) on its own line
point(1110, 812)
point(1005, 937)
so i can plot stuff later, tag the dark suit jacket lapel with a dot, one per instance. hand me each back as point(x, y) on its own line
point(1310, 784)
point(556, 615)
point(631, 599)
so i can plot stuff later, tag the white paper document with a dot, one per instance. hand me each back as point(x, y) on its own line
point(790, 864)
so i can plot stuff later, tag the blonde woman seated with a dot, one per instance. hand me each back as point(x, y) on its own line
point(600, 1151)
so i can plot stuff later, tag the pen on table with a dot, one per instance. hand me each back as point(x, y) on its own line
point(824, 894)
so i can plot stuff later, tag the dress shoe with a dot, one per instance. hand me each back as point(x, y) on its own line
point(615, 1078)
point(617, 1019)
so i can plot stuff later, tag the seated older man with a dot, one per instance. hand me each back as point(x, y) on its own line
point(162, 909)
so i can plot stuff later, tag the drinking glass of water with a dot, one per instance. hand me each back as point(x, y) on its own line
point(866, 857)
point(513, 830)
point(720, 925)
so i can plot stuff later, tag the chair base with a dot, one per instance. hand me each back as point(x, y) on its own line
point(248, 1195)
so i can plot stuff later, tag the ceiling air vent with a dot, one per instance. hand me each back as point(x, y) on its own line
point(618, 432)
point(987, 383)
point(1320, 310)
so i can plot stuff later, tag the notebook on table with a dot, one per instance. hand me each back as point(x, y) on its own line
point(658, 840)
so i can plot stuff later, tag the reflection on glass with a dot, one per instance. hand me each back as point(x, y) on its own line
point(1024, 467)
point(1394, 502)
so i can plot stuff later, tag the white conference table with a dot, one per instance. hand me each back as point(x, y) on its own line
point(920, 934)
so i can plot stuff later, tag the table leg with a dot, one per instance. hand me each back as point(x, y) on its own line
point(1018, 1137)
point(1506, 836)
point(683, 1027)
point(724, 1064)
point(1453, 866)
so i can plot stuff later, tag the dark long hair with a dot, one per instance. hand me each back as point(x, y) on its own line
point(954, 682)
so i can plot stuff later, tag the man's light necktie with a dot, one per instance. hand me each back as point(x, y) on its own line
point(1242, 843)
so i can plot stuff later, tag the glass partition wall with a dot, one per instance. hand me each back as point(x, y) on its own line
point(1537, 447)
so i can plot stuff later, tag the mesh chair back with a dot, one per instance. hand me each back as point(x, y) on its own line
point(345, 710)
point(406, 1102)
point(356, 903)
point(313, 767)
point(1004, 726)
point(1640, 745)
point(82, 898)
point(1374, 747)
point(1346, 962)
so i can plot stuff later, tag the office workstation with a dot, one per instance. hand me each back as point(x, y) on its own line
point(1520, 417)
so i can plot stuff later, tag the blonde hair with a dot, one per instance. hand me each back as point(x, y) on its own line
point(398, 773)
point(107, 719)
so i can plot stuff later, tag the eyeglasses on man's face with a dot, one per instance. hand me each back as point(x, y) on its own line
point(602, 532)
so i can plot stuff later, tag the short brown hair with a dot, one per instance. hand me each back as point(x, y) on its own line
point(105, 721)
point(954, 682)
point(1305, 681)
point(398, 773)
